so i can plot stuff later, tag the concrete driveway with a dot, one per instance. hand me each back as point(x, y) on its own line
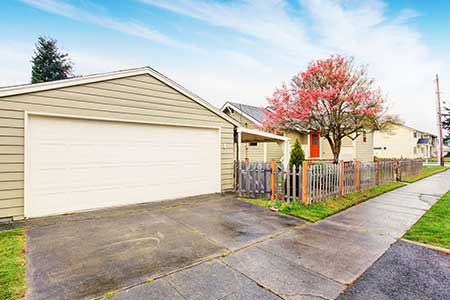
point(84, 255)
point(217, 248)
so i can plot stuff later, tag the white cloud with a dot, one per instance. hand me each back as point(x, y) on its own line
point(128, 27)
point(15, 60)
point(267, 21)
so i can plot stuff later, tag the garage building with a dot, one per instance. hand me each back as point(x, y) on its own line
point(110, 139)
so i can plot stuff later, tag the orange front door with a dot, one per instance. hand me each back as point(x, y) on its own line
point(314, 145)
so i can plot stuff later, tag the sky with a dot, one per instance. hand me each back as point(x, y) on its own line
point(242, 50)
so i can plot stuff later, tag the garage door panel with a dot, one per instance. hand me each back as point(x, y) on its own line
point(82, 164)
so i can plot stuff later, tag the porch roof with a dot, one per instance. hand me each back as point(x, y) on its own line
point(253, 135)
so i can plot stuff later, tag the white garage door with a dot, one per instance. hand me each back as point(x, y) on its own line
point(76, 164)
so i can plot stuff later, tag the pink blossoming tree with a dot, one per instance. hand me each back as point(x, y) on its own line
point(332, 97)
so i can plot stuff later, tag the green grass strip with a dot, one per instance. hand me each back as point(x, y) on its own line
point(12, 264)
point(321, 210)
point(426, 171)
point(434, 226)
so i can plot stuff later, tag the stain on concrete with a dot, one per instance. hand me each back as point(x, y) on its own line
point(233, 223)
point(84, 255)
point(83, 259)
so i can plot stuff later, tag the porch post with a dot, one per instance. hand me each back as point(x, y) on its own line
point(286, 154)
point(239, 144)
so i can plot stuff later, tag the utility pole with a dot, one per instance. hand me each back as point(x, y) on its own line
point(439, 119)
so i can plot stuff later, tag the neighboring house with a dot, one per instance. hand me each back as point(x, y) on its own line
point(111, 139)
point(249, 117)
point(404, 142)
point(315, 147)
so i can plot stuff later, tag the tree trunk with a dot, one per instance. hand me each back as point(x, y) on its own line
point(335, 146)
point(336, 151)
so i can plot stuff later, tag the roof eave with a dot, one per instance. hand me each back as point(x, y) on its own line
point(37, 87)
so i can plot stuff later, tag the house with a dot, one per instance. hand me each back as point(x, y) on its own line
point(404, 142)
point(110, 139)
point(250, 117)
point(314, 146)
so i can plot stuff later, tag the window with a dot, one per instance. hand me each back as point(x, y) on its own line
point(415, 134)
point(254, 144)
point(364, 137)
point(315, 139)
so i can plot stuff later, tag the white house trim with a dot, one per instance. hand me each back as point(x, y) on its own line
point(229, 105)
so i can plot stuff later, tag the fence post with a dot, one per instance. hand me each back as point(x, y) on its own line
point(273, 165)
point(341, 177)
point(394, 170)
point(240, 177)
point(357, 176)
point(305, 191)
point(377, 172)
point(288, 185)
point(294, 183)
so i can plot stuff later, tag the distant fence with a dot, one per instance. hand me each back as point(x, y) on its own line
point(409, 167)
point(315, 182)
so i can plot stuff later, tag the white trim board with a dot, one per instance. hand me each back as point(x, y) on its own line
point(229, 105)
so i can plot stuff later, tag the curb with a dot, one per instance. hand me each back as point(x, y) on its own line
point(435, 248)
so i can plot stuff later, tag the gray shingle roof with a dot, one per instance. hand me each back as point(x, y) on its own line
point(255, 112)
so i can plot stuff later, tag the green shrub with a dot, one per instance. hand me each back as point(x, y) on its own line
point(297, 155)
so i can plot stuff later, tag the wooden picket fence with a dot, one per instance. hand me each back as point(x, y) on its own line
point(269, 180)
point(315, 182)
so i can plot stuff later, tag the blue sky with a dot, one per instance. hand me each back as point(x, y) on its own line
point(241, 50)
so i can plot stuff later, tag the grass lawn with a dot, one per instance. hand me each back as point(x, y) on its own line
point(12, 264)
point(426, 171)
point(434, 226)
point(319, 211)
point(446, 159)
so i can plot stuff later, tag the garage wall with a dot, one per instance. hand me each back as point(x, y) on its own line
point(137, 98)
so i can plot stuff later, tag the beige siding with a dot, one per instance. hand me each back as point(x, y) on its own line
point(138, 98)
point(256, 153)
point(399, 142)
point(364, 150)
point(351, 150)
point(241, 119)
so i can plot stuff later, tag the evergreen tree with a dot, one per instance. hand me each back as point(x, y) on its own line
point(49, 63)
point(297, 155)
point(446, 122)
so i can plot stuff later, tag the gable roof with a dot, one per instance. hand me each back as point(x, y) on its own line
point(418, 130)
point(254, 113)
point(37, 87)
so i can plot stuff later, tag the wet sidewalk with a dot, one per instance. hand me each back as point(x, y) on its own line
point(309, 261)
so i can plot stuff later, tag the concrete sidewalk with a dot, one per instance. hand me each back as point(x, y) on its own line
point(312, 261)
